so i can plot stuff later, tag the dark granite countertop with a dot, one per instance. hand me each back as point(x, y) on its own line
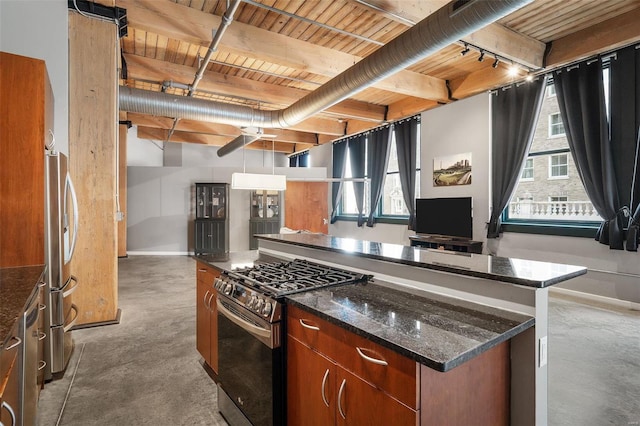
point(431, 329)
point(524, 272)
point(16, 288)
point(235, 259)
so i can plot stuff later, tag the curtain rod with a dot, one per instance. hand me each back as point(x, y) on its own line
point(366, 132)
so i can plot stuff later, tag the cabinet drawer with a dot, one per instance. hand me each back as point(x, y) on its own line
point(206, 273)
point(382, 367)
point(314, 332)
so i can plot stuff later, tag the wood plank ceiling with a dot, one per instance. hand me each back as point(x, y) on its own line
point(276, 51)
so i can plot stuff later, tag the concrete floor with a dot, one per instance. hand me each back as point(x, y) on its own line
point(146, 370)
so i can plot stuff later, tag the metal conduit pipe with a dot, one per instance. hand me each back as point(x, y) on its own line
point(435, 32)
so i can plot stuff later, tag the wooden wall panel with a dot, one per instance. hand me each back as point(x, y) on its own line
point(92, 163)
point(306, 206)
point(122, 185)
point(26, 115)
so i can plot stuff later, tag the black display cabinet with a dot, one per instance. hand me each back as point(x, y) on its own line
point(266, 211)
point(211, 225)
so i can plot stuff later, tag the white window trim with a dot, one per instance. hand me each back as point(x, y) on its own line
point(559, 135)
point(559, 177)
point(531, 179)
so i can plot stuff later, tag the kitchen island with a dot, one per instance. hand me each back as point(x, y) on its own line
point(474, 281)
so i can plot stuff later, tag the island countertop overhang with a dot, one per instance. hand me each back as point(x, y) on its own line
point(523, 272)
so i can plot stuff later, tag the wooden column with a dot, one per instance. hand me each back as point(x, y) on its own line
point(122, 185)
point(92, 164)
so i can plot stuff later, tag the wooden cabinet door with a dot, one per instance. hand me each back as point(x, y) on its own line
point(311, 386)
point(306, 206)
point(359, 403)
point(203, 321)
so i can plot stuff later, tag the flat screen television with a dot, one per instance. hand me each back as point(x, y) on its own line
point(449, 217)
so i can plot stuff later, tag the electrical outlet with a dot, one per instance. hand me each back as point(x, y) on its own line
point(543, 350)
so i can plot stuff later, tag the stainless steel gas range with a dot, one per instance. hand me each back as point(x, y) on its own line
point(251, 378)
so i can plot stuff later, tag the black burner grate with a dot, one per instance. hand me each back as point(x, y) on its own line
point(281, 278)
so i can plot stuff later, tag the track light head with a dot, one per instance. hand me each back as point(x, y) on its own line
point(495, 63)
point(481, 57)
point(465, 50)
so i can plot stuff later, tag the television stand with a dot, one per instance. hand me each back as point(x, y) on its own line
point(446, 243)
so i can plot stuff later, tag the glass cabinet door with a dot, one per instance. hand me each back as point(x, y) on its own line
point(265, 204)
point(211, 201)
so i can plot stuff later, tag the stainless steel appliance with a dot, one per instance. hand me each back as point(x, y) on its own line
point(61, 227)
point(251, 380)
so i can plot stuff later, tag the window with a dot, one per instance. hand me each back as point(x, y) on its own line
point(527, 170)
point(551, 91)
point(392, 201)
point(392, 207)
point(558, 166)
point(558, 204)
point(556, 127)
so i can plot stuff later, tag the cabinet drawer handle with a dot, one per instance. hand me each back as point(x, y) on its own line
point(202, 270)
point(41, 335)
point(310, 327)
point(6, 406)
point(324, 382)
point(42, 364)
point(17, 343)
point(42, 284)
point(41, 307)
point(209, 302)
point(340, 392)
point(373, 360)
point(204, 300)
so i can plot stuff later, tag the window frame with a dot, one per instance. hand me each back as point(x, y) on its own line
point(551, 176)
point(551, 126)
point(532, 168)
point(378, 216)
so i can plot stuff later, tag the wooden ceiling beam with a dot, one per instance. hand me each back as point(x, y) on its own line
point(483, 80)
point(408, 107)
point(608, 35)
point(190, 25)
point(141, 68)
point(281, 135)
point(495, 37)
point(212, 140)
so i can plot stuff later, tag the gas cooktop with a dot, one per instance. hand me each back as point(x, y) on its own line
point(282, 278)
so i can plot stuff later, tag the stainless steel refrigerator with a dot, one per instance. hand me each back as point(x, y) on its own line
point(61, 230)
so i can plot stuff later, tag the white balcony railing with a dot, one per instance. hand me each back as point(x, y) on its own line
point(553, 210)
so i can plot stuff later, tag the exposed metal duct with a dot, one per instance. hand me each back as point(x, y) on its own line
point(438, 30)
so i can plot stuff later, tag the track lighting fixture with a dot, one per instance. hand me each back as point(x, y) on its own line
point(513, 70)
point(495, 63)
point(465, 50)
point(481, 57)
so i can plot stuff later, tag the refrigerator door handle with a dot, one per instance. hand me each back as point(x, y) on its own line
point(71, 323)
point(74, 200)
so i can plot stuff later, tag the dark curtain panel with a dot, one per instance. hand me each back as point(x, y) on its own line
point(624, 106)
point(303, 159)
point(580, 94)
point(293, 161)
point(357, 152)
point(377, 158)
point(339, 161)
point(406, 146)
point(514, 114)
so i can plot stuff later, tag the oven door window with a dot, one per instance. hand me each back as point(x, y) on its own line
point(250, 370)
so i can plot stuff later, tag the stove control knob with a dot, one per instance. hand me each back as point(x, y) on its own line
point(266, 311)
point(216, 283)
point(258, 305)
point(228, 289)
point(252, 300)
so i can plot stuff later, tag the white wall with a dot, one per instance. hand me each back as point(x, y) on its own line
point(39, 29)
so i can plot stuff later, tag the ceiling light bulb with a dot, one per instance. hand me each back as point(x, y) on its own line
point(513, 71)
point(481, 57)
point(529, 77)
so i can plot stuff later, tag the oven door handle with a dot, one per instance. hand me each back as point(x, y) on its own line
point(245, 325)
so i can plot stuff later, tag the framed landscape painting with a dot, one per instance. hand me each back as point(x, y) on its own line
point(452, 170)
